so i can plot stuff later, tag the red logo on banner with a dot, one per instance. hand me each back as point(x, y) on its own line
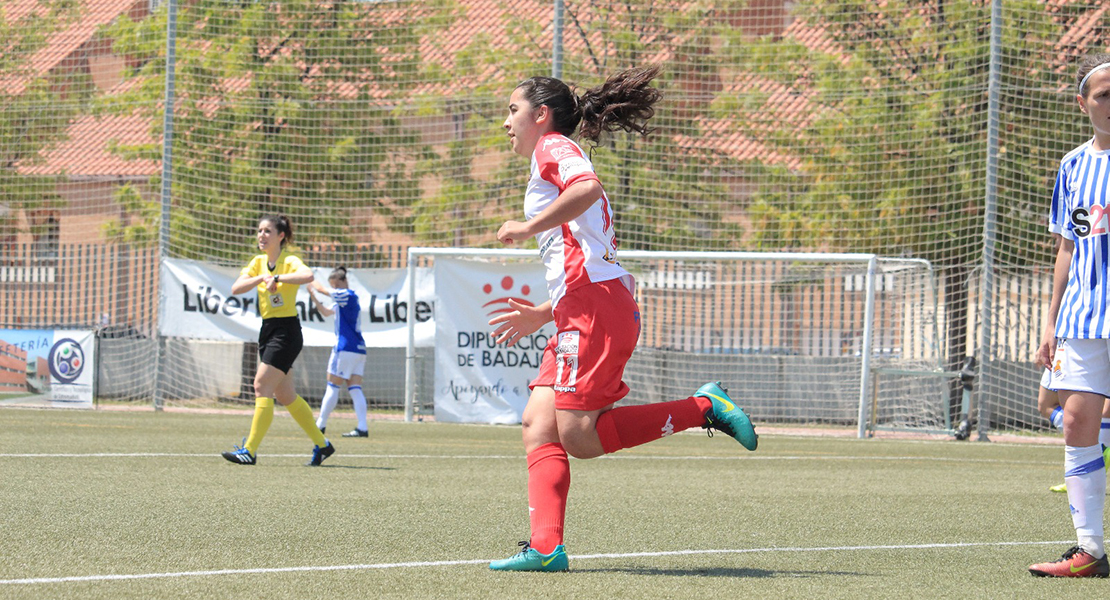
point(501, 305)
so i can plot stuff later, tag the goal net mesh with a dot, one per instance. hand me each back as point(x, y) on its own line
point(784, 335)
point(800, 125)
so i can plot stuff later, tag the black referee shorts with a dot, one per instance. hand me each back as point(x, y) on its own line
point(280, 342)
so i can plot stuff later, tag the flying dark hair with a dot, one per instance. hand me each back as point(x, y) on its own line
point(625, 101)
point(339, 273)
point(1088, 64)
point(282, 224)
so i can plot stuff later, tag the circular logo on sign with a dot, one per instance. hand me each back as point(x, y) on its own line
point(67, 360)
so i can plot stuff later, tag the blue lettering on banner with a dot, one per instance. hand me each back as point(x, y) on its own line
point(482, 339)
point(26, 345)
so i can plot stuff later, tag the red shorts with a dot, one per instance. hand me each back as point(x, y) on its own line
point(598, 326)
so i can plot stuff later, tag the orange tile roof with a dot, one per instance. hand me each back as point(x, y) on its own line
point(61, 46)
point(85, 153)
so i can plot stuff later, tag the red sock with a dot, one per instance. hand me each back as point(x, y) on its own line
point(548, 486)
point(630, 426)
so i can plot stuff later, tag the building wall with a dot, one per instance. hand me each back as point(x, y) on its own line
point(13, 368)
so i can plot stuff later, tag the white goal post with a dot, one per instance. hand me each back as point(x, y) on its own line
point(799, 333)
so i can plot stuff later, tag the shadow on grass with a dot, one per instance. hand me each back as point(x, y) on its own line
point(717, 572)
point(354, 467)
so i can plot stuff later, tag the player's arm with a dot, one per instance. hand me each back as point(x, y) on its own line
point(523, 321)
point(323, 308)
point(572, 202)
point(1047, 349)
point(319, 287)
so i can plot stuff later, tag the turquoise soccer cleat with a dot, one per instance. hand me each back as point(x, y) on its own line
point(726, 417)
point(529, 559)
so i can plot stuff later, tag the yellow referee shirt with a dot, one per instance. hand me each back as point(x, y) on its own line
point(283, 302)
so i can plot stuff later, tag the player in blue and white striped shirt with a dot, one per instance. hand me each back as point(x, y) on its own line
point(348, 358)
point(1076, 342)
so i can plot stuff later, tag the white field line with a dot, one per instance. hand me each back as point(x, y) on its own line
point(450, 563)
point(521, 457)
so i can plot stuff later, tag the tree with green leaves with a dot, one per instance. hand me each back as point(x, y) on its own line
point(669, 190)
point(299, 107)
point(35, 106)
point(892, 142)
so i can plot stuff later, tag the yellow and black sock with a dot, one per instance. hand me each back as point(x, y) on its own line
point(302, 414)
point(260, 424)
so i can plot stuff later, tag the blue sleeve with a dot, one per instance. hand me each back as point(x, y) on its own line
point(1057, 216)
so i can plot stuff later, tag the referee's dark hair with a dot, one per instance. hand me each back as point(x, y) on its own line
point(282, 224)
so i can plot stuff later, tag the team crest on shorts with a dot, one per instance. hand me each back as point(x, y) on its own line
point(568, 343)
point(566, 362)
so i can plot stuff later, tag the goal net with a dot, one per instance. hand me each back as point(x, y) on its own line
point(796, 338)
point(930, 129)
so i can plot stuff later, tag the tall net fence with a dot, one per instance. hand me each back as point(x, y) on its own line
point(805, 125)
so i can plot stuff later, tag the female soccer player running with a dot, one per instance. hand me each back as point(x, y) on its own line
point(277, 274)
point(348, 357)
point(1076, 342)
point(570, 408)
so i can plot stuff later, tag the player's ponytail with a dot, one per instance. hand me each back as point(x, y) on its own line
point(282, 224)
point(625, 101)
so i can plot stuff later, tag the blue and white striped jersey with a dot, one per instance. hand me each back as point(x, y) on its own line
point(348, 320)
point(1079, 213)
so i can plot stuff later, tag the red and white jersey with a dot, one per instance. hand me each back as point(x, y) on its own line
point(585, 249)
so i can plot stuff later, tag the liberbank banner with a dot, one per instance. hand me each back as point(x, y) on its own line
point(47, 367)
point(197, 303)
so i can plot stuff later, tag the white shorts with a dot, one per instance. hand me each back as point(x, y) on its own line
point(1082, 366)
point(1046, 380)
point(346, 365)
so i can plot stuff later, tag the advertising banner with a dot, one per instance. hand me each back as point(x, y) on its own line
point(197, 303)
point(478, 381)
point(47, 367)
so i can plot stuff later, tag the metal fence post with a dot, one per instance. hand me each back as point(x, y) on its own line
point(990, 220)
point(167, 181)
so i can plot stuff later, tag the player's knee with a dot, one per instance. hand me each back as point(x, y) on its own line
point(579, 445)
point(1047, 401)
point(537, 432)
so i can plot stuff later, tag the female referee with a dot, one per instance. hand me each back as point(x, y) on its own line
point(570, 408)
point(1076, 341)
point(277, 274)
